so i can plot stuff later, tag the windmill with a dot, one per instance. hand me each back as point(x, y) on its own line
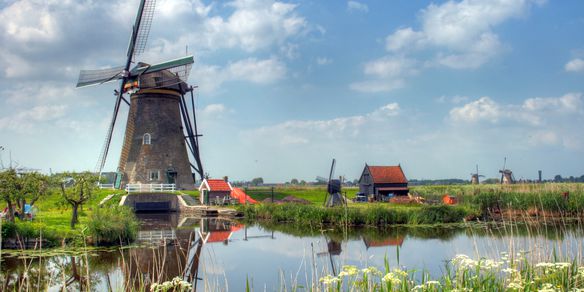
point(475, 177)
point(333, 248)
point(506, 174)
point(333, 196)
point(159, 128)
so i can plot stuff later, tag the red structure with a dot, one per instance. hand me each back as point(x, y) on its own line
point(449, 200)
point(215, 190)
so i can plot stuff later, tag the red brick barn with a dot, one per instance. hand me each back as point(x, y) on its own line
point(383, 181)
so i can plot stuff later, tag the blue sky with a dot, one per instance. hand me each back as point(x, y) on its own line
point(286, 86)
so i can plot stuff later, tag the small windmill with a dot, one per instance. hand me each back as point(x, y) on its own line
point(159, 128)
point(333, 248)
point(333, 196)
point(506, 174)
point(475, 177)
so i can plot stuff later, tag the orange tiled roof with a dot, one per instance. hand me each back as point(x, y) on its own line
point(218, 236)
point(218, 185)
point(388, 174)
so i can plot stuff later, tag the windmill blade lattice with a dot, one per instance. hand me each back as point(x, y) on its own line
point(144, 28)
point(99, 76)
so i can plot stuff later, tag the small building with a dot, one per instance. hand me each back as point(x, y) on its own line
point(383, 182)
point(214, 191)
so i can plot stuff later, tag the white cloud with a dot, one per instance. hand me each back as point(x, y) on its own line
point(257, 71)
point(374, 86)
point(323, 61)
point(482, 109)
point(405, 38)
point(575, 65)
point(26, 119)
point(388, 73)
point(546, 121)
point(461, 32)
point(313, 131)
point(209, 78)
point(252, 26)
point(355, 6)
point(457, 35)
point(214, 109)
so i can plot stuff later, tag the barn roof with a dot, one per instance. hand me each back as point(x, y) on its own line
point(387, 174)
point(216, 185)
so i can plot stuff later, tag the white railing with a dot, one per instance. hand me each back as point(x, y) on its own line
point(152, 235)
point(150, 188)
point(106, 186)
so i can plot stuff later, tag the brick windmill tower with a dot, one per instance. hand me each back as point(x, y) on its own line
point(161, 130)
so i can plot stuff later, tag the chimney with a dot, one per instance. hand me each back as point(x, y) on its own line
point(539, 172)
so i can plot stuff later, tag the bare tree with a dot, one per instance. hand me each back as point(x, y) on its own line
point(76, 189)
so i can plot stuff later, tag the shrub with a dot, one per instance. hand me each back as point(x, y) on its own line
point(8, 229)
point(114, 225)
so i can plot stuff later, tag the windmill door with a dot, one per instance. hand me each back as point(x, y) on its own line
point(171, 176)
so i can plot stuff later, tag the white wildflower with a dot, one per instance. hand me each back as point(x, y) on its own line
point(372, 271)
point(329, 280)
point(391, 278)
point(350, 270)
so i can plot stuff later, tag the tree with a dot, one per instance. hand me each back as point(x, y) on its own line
point(257, 181)
point(303, 182)
point(21, 189)
point(558, 178)
point(294, 181)
point(78, 192)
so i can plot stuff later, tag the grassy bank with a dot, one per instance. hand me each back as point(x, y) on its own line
point(562, 200)
point(52, 223)
point(372, 215)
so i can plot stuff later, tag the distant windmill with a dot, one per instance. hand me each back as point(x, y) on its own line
point(475, 177)
point(333, 196)
point(506, 174)
point(155, 144)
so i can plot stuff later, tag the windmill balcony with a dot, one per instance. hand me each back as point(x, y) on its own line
point(150, 188)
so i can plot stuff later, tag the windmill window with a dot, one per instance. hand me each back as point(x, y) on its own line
point(154, 175)
point(147, 139)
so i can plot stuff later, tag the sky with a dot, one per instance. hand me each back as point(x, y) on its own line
point(286, 86)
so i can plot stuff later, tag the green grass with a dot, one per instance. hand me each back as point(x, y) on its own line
point(314, 194)
point(372, 215)
point(53, 218)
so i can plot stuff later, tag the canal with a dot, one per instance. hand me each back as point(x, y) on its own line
point(225, 255)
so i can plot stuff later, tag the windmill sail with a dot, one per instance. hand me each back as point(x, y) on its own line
point(99, 76)
point(168, 65)
point(142, 27)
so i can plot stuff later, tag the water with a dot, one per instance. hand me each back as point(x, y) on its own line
point(271, 257)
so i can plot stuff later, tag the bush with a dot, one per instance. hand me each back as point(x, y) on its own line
point(114, 225)
point(8, 229)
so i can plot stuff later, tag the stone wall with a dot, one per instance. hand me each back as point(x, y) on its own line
point(129, 200)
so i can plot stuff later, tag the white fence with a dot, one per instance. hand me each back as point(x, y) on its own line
point(150, 188)
point(155, 235)
point(106, 186)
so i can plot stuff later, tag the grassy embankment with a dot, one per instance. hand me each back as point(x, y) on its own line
point(52, 222)
point(522, 202)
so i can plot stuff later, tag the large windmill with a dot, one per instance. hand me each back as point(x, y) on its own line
point(506, 174)
point(475, 177)
point(159, 129)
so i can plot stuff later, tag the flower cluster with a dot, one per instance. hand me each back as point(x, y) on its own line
point(176, 285)
point(427, 286)
point(349, 271)
point(330, 280)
